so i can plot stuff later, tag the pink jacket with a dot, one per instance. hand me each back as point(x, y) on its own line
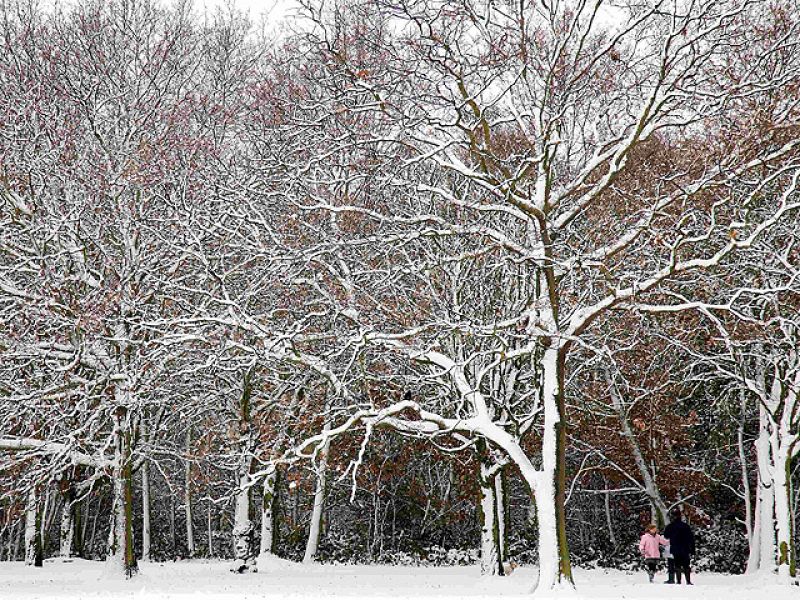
point(648, 545)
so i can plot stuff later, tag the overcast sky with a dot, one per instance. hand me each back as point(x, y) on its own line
point(273, 9)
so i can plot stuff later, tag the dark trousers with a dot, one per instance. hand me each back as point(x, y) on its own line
point(651, 564)
point(670, 570)
point(682, 567)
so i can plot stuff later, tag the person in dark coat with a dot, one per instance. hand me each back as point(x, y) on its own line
point(681, 544)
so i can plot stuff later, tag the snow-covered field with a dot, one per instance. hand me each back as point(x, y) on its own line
point(201, 579)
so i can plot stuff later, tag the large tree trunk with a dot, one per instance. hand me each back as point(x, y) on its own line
point(67, 529)
point(242, 525)
point(268, 518)
point(766, 497)
point(121, 559)
point(555, 570)
point(33, 539)
point(490, 531)
point(783, 514)
point(319, 502)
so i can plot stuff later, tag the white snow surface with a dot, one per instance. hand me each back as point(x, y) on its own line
point(289, 581)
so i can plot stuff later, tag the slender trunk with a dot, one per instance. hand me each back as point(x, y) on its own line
point(748, 508)
point(609, 523)
point(268, 517)
point(783, 514)
point(78, 527)
point(190, 546)
point(210, 529)
point(242, 526)
point(657, 503)
point(146, 527)
point(754, 550)
point(500, 498)
point(766, 495)
point(564, 564)
point(67, 528)
point(46, 518)
point(93, 537)
point(33, 523)
point(319, 502)
point(173, 534)
point(490, 551)
point(18, 540)
point(86, 513)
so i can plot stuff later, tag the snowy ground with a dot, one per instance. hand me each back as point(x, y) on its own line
point(201, 579)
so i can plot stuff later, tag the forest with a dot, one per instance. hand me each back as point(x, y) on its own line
point(400, 282)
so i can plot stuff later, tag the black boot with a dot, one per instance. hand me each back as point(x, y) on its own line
point(670, 571)
point(688, 576)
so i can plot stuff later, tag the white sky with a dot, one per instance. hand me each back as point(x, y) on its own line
point(274, 10)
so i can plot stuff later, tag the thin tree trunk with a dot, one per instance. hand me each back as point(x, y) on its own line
point(190, 546)
point(94, 528)
point(173, 535)
point(748, 508)
point(18, 539)
point(648, 481)
point(312, 543)
point(67, 528)
point(146, 525)
point(87, 512)
point(78, 527)
point(33, 523)
point(47, 513)
point(268, 518)
point(210, 529)
point(501, 500)
point(609, 523)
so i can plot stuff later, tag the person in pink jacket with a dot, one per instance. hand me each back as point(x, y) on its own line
point(649, 546)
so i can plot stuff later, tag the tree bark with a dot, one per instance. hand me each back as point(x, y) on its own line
point(648, 481)
point(146, 526)
point(33, 523)
point(242, 525)
point(609, 523)
point(315, 526)
point(783, 514)
point(210, 529)
point(491, 555)
point(121, 558)
point(268, 518)
point(766, 497)
point(190, 545)
point(67, 528)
